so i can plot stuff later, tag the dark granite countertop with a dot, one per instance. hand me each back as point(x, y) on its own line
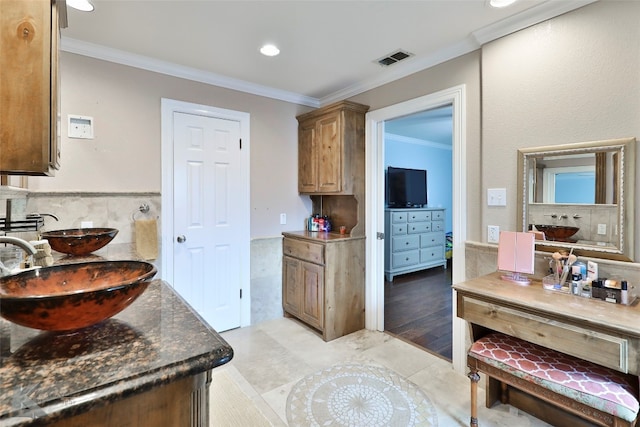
point(158, 339)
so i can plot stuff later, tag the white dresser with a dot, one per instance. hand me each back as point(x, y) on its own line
point(414, 240)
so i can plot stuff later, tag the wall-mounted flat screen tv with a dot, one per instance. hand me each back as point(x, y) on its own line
point(406, 188)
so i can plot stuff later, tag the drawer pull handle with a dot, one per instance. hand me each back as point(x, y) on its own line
point(407, 259)
point(406, 243)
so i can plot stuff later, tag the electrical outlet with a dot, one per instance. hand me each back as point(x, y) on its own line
point(283, 218)
point(493, 233)
point(602, 228)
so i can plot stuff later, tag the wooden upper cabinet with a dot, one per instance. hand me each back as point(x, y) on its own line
point(29, 81)
point(331, 149)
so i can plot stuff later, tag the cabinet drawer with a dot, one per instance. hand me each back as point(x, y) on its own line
point(437, 215)
point(574, 340)
point(404, 259)
point(398, 217)
point(431, 239)
point(419, 227)
point(305, 250)
point(435, 253)
point(419, 216)
point(405, 243)
point(437, 226)
point(397, 229)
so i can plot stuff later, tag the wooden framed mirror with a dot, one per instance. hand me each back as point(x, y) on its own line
point(579, 196)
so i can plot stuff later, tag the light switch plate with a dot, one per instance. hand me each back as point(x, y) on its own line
point(497, 197)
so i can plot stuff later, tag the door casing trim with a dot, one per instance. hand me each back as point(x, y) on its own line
point(374, 137)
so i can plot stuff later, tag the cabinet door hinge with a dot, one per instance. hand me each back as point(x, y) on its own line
point(380, 236)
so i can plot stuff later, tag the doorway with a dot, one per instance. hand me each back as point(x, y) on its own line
point(454, 96)
point(205, 215)
point(417, 304)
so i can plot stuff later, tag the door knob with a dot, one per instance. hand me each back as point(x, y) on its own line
point(181, 239)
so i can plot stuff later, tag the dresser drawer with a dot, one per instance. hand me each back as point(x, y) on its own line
point(574, 340)
point(418, 216)
point(437, 215)
point(397, 229)
point(303, 249)
point(405, 243)
point(405, 259)
point(435, 253)
point(397, 217)
point(418, 227)
point(437, 226)
point(431, 239)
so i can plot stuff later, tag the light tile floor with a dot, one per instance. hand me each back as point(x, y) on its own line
point(271, 357)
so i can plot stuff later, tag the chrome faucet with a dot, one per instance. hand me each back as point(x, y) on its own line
point(26, 246)
point(23, 244)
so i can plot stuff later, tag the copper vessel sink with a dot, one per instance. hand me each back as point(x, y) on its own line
point(557, 232)
point(79, 241)
point(72, 296)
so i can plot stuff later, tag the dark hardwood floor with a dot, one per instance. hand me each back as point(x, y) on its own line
point(417, 308)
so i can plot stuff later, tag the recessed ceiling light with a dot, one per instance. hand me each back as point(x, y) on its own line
point(82, 5)
point(269, 50)
point(501, 3)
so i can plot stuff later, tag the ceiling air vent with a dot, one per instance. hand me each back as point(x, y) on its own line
point(393, 57)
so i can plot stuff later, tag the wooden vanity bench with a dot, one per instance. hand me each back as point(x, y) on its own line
point(514, 328)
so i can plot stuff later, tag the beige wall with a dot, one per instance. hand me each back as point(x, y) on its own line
point(125, 154)
point(573, 78)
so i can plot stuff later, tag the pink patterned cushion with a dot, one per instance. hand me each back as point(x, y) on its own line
point(602, 388)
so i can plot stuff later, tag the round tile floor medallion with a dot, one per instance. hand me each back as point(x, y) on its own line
point(358, 395)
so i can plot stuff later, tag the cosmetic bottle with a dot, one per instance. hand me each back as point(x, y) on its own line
point(624, 293)
point(576, 284)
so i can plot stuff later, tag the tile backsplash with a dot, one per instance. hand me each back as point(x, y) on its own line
point(110, 210)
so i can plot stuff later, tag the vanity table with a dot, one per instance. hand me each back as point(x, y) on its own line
point(594, 330)
point(600, 332)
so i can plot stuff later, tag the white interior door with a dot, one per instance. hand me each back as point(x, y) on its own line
point(207, 217)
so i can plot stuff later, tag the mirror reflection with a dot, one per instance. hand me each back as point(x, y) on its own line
point(588, 178)
point(579, 196)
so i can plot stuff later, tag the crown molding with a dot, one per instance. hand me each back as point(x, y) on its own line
point(527, 18)
point(150, 64)
point(532, 16)
point(412, 65)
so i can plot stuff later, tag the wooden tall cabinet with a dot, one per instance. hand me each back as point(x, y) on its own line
point(29, 130)
point(323, 279)
point(331, 149)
